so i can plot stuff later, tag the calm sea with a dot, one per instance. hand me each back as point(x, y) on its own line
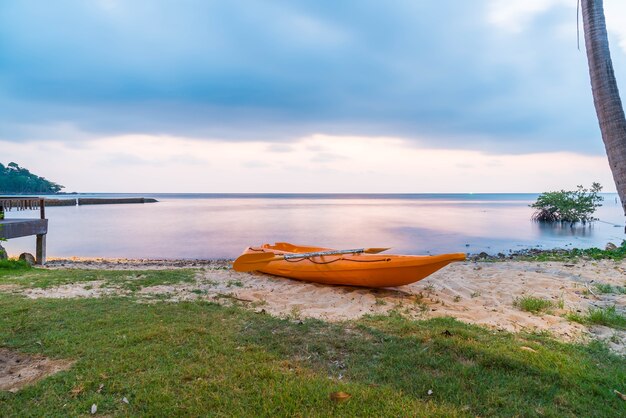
point(217, 225)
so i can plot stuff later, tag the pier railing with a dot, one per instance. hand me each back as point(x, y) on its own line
point(22, 227)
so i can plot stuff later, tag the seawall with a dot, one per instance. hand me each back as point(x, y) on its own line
point(98, 201)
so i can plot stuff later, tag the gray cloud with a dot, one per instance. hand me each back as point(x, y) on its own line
point(274, 71)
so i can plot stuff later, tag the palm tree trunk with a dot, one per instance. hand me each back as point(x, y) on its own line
point(605, 93)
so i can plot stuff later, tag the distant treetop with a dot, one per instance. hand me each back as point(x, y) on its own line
point(18, 180)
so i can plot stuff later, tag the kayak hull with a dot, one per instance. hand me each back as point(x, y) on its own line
point(367, 270)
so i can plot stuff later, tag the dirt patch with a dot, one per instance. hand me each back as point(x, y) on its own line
point(8, 288)
point(18, 370)
point(93, 289)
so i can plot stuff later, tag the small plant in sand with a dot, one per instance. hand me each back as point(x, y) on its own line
point(258, 303)
point(235, 283)
point(533, 304)
point(568, 206)
point(604, 288)
point(608, 316)
point(615, 339)
point(607, 288)
point(295, 312)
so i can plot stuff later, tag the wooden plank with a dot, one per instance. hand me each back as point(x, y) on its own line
point(16, 228)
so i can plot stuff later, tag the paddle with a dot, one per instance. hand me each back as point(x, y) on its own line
point(255, 261)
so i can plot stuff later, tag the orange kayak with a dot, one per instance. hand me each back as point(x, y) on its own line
point(368, 270)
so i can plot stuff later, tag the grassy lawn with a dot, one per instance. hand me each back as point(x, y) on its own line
point(200, 358)
point(18, 274)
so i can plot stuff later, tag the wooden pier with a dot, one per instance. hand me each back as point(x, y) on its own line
point(23, 227)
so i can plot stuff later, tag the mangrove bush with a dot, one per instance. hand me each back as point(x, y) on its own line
point(568, 206)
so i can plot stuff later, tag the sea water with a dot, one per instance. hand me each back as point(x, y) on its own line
point(208, 226)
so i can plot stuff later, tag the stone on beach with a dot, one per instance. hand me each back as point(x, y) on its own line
point(28, 257)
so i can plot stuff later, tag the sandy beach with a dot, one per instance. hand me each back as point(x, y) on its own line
point(482, 293)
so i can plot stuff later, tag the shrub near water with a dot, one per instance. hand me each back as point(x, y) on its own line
point(568, 206)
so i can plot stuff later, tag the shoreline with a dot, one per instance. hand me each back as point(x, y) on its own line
point(612, 252)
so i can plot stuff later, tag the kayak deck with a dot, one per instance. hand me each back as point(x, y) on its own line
point(377, 270)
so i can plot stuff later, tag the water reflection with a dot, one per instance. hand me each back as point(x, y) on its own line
point(221, 226)
point(565, 229)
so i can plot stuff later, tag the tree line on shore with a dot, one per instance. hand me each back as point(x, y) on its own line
point(19, 180)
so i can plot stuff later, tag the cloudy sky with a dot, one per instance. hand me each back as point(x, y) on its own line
point(302, 96)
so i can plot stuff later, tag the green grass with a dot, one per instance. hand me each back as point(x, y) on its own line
point(601, 316)
point(235, 283)
point(11, 264)
point(203, 359)
point(533, 304)
point(129, 280)
point(139, 280)
point(610, 289)
point(574, 254)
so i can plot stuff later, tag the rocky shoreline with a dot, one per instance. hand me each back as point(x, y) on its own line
point(611, 251)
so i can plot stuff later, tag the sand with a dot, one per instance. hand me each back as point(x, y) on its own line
point(481, 293)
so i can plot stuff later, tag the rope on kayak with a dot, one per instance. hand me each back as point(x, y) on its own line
point(297, 260)
point(367, 261)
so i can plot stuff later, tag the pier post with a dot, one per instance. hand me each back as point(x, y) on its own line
point(40, 256)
